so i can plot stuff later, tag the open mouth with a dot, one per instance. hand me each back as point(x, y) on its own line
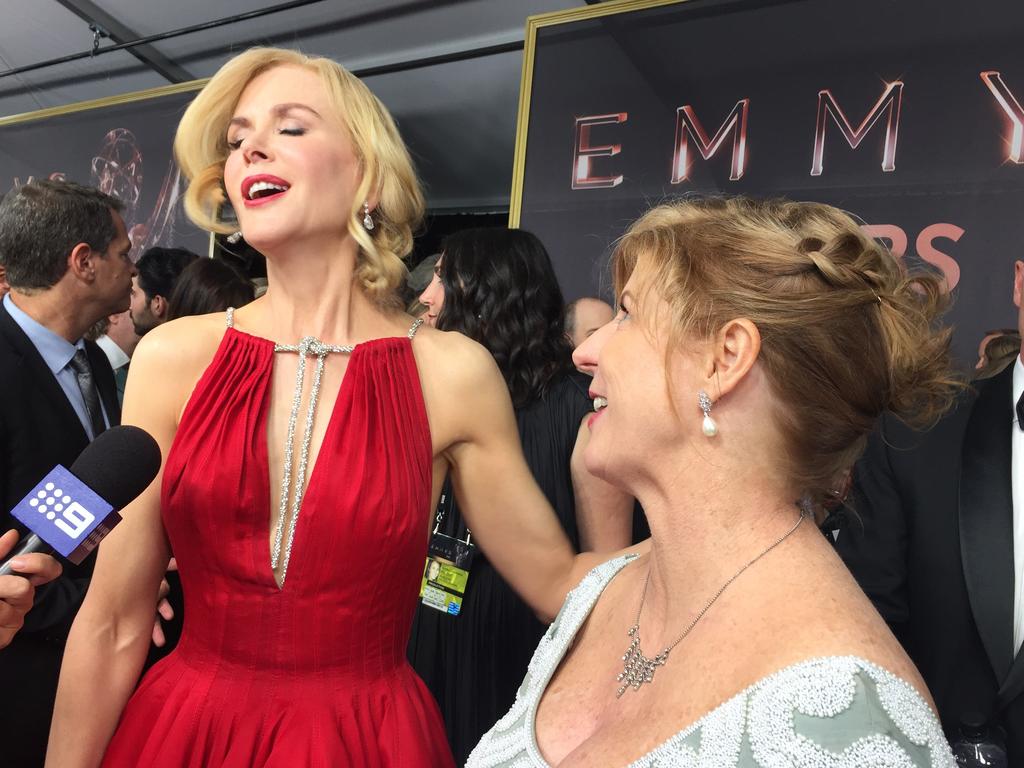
point(600, 403)
point(258, 188)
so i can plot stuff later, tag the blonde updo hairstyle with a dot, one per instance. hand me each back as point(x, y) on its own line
point(845, 332)
point(201, 149)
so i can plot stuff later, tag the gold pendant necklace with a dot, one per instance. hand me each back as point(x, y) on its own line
point(637, 669)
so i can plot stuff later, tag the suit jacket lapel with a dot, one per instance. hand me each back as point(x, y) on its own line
point(39, 372)
point(1013, 686)
point(986, 519)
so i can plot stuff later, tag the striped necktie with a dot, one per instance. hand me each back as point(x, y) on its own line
point(87, 384)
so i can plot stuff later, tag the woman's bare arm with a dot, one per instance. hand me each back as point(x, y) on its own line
point(509, 515)
point(110, 636)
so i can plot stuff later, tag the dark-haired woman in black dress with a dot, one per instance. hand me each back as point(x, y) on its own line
point(498, 287)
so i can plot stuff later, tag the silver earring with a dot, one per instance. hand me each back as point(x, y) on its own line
point(367, 220)
point(709, 427)
point(234, 237)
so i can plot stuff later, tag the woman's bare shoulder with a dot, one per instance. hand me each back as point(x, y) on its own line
point(453, 356)
point(839, 621)
point(181, 345)
point(462, 387)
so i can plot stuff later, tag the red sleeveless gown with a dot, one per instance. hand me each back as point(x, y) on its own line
point(314, 673)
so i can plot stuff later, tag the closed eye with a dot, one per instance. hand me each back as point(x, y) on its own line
point(237, 142)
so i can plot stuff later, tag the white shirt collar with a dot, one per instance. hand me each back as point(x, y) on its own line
point(55, 350)
point(1018, 383)
point(116, 355)
point(1017, 496)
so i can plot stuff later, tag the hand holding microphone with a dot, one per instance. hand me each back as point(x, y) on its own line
point(71, 511)
point(17, 592)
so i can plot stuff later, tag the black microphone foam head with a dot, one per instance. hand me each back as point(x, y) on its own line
point(119, 464)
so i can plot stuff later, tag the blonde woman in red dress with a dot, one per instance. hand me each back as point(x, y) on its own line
point(305, 438)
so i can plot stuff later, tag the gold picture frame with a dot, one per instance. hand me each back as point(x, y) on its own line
point(533, 24)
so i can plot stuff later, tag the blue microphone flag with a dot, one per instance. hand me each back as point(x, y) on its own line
point(66, 514)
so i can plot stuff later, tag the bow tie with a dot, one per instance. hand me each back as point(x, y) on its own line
point(1020, 412)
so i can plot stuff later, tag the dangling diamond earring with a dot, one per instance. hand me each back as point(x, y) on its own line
point(367, 220)
point(709, 427)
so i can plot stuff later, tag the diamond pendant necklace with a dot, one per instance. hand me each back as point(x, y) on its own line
point(637, 669)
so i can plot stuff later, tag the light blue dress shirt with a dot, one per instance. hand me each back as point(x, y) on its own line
point(57, 352)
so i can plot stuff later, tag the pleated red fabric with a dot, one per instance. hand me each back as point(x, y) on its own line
point(314, 673)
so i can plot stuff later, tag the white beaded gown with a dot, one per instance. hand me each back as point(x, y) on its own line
point(828, 712)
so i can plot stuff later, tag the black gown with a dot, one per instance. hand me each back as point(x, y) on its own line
point(473, 663)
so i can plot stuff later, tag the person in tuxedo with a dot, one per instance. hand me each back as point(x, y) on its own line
point(936, 540)
point(66, 254)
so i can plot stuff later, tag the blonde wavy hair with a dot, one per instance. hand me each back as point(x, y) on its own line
point(845, 331)
point(201, 149)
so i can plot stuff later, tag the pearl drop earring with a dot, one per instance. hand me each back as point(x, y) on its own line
point(709, 427)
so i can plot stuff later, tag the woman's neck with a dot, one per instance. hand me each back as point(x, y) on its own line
point(702, 537)
point(313, 290)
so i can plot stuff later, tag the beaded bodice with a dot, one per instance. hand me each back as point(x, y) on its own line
point(835, 711)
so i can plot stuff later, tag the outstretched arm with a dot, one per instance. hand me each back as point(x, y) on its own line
point(509, 515)
point(110, 637)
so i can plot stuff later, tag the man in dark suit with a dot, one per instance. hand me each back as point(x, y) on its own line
point(938, 518)
point(66, 254)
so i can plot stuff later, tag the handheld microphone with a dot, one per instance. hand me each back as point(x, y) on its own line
point(70, 511)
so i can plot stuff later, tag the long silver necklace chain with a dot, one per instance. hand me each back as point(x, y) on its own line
point(307, 346)
point(637, 669)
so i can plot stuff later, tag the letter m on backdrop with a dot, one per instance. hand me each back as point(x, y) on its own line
point(689, 127)
point(888, 105)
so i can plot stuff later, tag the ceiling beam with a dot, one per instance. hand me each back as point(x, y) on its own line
point(97, 51)
point(288, 37)
point(119, 33)
point(444, 58)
